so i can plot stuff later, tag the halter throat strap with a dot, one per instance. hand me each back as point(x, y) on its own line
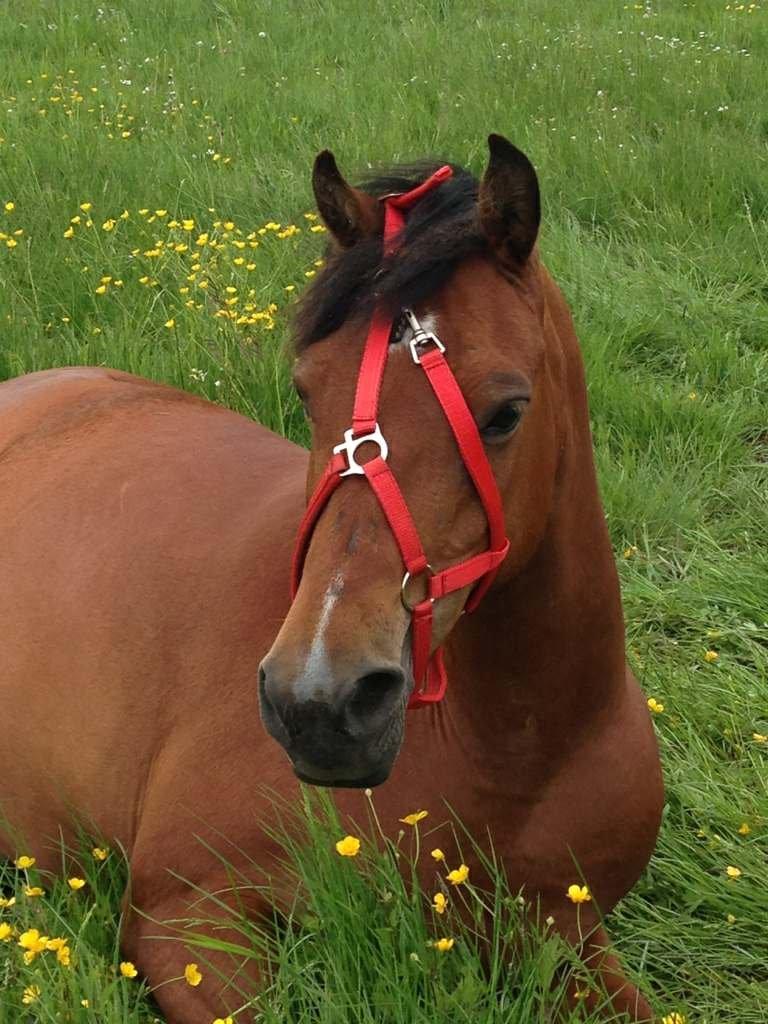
point(427, 352)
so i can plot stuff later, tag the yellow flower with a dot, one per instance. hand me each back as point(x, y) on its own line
point(579, 893)
point(99, 853)
point(5, 931)
point(443, 945)
point(30, 994)
point(437, 855)
point(61, 950)
point(34, 890)
point(11, 243)
point(711, 656)
point(349, 846)
point(33, 942)
point(413, 819)
point(85, 207)
point(101, 289)
point(673, 1018)
point(730, 918)
point(7, 901)
point(85, 1002)
point(9, 207)
point(758, 737)
point(317, 228)
point(161, 213)
point(655, 706)
point(69, 233)
point(458, 875)
point(170, 323)
point(224, 1020)
point(24, 862)
point(108, 225)
point(733, 872)
point(744, 829)
point(75, 883)
point(439, 903)
point(192, 975)
point(127, 969)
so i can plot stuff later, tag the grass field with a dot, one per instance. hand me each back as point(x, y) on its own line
point(156, 215)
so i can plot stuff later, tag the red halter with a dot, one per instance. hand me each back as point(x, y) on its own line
point(365, 430)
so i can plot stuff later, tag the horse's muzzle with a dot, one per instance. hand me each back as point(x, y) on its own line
point(338, 735)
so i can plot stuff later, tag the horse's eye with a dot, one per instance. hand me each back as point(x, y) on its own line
point(303, 399)
point(503, 422)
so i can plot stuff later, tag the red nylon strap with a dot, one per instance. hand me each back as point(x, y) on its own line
point(371, 374)
point(427, 670)
point(465, 573)
point(462, 423)
point(326, 485)
point(366, 406)
point(391, 499)
point(405, 200)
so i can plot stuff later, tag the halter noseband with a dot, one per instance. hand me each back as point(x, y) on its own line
point(427, 352)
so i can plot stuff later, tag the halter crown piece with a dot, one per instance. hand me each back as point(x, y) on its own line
point(428, 353)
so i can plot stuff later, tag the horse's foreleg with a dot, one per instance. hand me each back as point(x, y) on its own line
point(612, 985)
point(153, 938)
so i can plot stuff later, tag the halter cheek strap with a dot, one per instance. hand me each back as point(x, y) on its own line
point(427, 352)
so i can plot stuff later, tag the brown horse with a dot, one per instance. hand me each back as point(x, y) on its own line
point(147, 538)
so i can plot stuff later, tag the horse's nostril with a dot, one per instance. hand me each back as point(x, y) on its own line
point(377, 693)
point(269, 706)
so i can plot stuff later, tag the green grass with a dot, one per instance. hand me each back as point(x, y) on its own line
point(647, 126)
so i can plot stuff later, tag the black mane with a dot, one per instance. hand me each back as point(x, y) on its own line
point(440, 231)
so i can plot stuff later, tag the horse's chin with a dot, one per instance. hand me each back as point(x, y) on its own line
point(329, 780)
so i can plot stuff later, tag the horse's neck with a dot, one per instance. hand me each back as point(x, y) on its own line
point(549, 644)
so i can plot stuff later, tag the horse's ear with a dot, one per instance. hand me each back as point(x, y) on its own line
point(508, 203)
point(349, 214)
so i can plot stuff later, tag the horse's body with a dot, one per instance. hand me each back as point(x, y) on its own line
point(146, 546)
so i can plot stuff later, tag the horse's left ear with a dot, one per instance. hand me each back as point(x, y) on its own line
point(509, 203)
point(349, 214)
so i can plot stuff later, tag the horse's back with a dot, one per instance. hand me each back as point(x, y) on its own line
point(143, 573)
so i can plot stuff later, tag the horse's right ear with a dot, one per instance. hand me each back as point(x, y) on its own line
point(349, 214)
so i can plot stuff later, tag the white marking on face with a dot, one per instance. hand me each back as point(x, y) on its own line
point(317, 665)
point(428, 321)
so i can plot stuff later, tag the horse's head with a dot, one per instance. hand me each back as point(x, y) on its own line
point(335, 684)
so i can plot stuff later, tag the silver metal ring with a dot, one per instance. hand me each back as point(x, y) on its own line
point(406, 579)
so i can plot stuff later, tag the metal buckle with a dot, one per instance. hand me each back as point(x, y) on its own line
point(420, 336)
point(350, 444)
point(409, 607)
